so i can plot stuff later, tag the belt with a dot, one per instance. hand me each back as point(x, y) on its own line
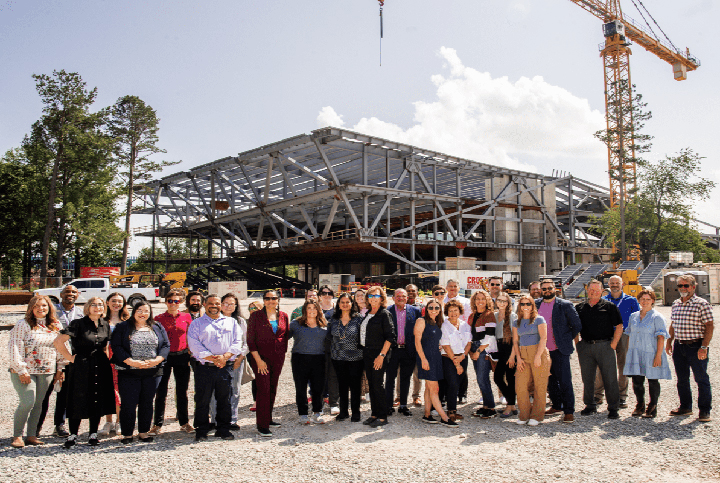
point(400, 346)
point(596, 341)
point(689, 342)
point(208, 363)
point(177, 353)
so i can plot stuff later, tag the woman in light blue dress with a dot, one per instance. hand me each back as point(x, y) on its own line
point(645, 355)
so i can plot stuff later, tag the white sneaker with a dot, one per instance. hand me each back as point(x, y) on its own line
point(521, 422)
point(304, 419)
point(533, 422)
point(434, 413)
point(334, 410)
point(503, 401)
point(107, 429)
point(318, 419)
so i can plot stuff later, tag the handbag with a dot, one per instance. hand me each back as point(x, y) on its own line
point(247, 375)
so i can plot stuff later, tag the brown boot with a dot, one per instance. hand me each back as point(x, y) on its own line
point(639, 409)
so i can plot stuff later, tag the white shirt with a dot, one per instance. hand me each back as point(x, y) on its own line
point(457, 339)
point(467, 311)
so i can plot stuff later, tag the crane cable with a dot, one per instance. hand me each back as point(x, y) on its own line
point(654, 21)
point(381, 2)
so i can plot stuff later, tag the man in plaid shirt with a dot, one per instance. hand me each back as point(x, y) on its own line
point(691, 329)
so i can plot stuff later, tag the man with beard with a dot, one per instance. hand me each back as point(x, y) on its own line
point(535, 291)
point(691, 328)
point(215, 341)
point(194, 304)
point(563, 325)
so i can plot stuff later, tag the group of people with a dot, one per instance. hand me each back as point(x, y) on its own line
point(106, 360)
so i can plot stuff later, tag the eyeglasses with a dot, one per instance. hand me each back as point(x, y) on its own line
point(525, 304)
point(97, 305)
point(376, 296)
point(434, 308)
point(172, 301)
point(229, 304)
point(271, 298)
point(502, 300)
point(494, 284)
point(326, 293)
point(439, 293)
point(683, 285)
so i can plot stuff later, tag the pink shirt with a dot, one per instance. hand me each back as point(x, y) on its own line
point(401, 316)
point(546, 310)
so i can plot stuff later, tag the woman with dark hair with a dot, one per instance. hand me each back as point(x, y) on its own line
point(34, 365)
point(140, 348)
point(347, 358)
point(533, 361)
point(456, 342)
point(428, 332)
point(504, 374)
point(91, 394)
point(482, 328)
point(267, 341)
point(117, 312)
point(377, 335)
point(308, 360)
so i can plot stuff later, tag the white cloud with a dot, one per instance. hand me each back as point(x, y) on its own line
point(328, 117)
point(527, 124)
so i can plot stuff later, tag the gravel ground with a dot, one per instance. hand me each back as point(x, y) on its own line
point(592, 449)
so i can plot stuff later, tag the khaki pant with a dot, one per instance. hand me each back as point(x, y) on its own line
point(528, 376)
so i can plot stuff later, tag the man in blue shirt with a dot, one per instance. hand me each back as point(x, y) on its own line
point(626, 304)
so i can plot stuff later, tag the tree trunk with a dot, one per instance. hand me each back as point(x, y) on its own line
point(77, 260)
point(60, 248)
point(126, 242)
point(51, 216)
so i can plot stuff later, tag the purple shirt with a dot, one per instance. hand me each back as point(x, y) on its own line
point(546, 310)
point(401, 315)
point(213, 337)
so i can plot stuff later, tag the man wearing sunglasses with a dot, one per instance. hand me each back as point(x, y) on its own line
point(691, 330)
point(563, 325)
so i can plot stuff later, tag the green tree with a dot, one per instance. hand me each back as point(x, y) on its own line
point(659, 218)
point(134, 127)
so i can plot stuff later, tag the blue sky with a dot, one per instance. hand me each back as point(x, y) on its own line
point(514, 82)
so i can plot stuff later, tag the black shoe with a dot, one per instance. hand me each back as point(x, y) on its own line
point(70, 442)
point(704, 417)
point(355, 418)
point(226, 436)
point(613, 414)
point(93, 441)
point(342, 417)
point(264, 432)
point(488, 413)
point(429, 420)
point(148, 439)
point(211, 426)
point(274, 424)
point(377, 423)
point(588, 411)
point(623, 404)
point(478, 413)
point(127, 440)
point(404, 411)
point(369, 420)
point(234, 426)
point(461, 400)
point(60, 431)
point(200, 437)
point(391, 412)
point(449, 423)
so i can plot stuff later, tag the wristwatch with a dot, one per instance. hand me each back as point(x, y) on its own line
point(381, 354)
point(706, 347)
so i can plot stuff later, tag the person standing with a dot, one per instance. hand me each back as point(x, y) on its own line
point(66, 312)
point(563, 325)
point(627, 305)
point(691, 330)
point(140, 348)
point(176, 325)
point(91, 394)
point(268, 342)
point(308, 360)
point(116, 312)
point(214, 341)
point(331, 388)
point(412, 292)
point(533, 361)
point(647, 333)
point(600, 334)
point(402, 357)
point(377, 336)
point(35, 365)
point(482, 329)
point(453, 293)
point(504, 374)
point(344, 334)
point(310, 294)
point(456, 343)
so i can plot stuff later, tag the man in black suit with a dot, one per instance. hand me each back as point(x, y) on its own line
point(402, 355)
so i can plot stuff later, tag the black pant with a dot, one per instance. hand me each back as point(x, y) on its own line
point(180, 365)
point(405, 360)
point(74, 425)
point(560, 385)
point(452, 379)
point(330, 386)
point(60, 403)
point(349, 374)
point(505, 375)
point(378, 404)
point(308, 368)
point(592, 356)
point(639, 390)
point(209, 378)
point(463, 383)
point(136, 398)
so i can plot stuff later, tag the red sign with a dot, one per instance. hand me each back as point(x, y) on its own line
point(98, 272)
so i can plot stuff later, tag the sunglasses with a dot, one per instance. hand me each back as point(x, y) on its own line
point(326, 293)
point(437, 307)
point(439, 293)
point(683, 285)
point(271, 298)
point(547, 289)
point(494, 284)
point(525, 304)
point(376, 296)
point(172, 301)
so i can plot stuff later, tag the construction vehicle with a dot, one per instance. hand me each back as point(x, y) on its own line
point(631, 286)
point(164, 281)
point(511, 282)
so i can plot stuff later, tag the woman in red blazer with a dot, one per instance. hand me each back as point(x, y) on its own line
point(268, 342)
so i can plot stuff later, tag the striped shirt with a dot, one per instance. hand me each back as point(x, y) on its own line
point(689, 318)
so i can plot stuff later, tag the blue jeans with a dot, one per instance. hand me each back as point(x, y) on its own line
point(482, 371)
point(560, 384)
point(685, 357)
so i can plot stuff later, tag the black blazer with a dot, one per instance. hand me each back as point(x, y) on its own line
point(566, 324)
point(380, 328)
point(120, 345)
